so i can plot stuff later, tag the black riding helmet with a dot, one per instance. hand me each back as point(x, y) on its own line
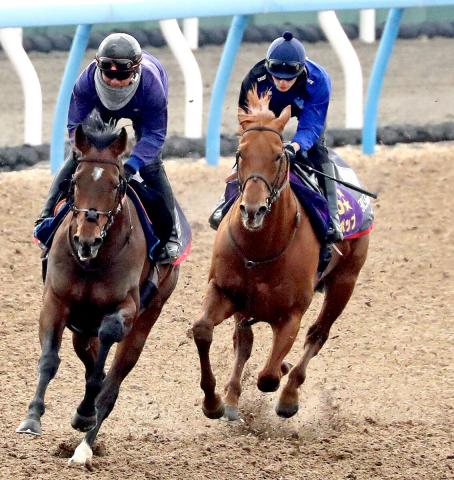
point(119, 55)
point(285, 57)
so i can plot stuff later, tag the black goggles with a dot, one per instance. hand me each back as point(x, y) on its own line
point(119, 75)
point(280, 69)
point(121, 64)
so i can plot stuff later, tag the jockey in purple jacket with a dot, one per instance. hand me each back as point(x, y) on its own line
point(124, 82)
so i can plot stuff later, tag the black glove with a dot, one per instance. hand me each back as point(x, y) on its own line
point(129, 172)
point(290, 152)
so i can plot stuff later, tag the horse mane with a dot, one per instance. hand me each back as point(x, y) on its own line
point(100, 133)
point(258, 111)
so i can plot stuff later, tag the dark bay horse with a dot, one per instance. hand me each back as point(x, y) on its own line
point(264, 268)
point(97, 263)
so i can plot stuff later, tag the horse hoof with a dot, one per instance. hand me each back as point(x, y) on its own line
point(286, 411)
point(268, 384)
point(82, 456)
point(214, 414)
point(231, 413)
point(82, 423)
point(30, 426)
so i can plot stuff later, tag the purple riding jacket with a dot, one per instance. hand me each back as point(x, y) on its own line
point(147, 109)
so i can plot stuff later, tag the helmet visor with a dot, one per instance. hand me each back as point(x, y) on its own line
point(120, 64)
point(287, 70)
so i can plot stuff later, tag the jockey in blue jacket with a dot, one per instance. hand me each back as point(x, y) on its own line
point(293, 79)
point(124, 82)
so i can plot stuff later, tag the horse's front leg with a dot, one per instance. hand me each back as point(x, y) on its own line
point(217, 307)
point(51, 325)
point(113, 329)
point(87, 349)
point(243, 339)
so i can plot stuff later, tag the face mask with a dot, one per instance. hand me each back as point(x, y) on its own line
point(115, 98)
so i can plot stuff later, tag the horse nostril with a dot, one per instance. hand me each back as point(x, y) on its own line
point(262, 210)
point(76, 238)
point(97, 242)
point(242, 208)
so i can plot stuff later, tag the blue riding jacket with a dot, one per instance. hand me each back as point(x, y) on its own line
point(147, 109)
point(309, 98)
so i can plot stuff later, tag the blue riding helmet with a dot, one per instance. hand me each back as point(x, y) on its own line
point(285, 57)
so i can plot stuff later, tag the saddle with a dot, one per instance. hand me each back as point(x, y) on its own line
point(356, 215)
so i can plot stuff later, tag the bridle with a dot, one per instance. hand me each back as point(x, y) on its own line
point(92, 214)
point(275, 191)
point(273, 187)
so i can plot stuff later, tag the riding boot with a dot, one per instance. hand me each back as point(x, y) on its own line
point(225, 202)
point(216, 217)
point(58, 187)
point(156, 179)
point(334, 232)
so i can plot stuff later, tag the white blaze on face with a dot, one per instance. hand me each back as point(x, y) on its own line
point(97, 173)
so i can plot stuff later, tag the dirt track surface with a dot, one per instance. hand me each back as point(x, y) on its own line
point(378, 400)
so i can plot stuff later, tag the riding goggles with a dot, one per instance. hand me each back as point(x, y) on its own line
point(119, 75)
point(285, 70)
point(121, 64)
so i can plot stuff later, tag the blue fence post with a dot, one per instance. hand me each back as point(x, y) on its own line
point(232, 44)
point(376, 79)
point(76, 55)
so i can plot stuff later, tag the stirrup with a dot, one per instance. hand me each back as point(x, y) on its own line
point(334, 235)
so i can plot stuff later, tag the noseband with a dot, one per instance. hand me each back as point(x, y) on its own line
point(273, 188)
point(92, 214)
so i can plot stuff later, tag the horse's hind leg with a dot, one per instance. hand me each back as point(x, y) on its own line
point(51, 326)
point(339, 285)
point(217, 307)
point(284, 335)
point(87, 349)
point(243, 339)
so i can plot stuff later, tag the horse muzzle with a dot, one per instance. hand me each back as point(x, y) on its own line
point(252, 216)
point(87, 248)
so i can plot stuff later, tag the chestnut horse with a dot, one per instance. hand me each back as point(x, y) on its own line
point(264, 269)
point(97, 264)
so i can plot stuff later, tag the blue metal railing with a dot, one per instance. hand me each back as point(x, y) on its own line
point(27, 13)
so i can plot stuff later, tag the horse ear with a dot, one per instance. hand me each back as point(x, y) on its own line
point(284, 117)
point(119, 145)
point(81, 141)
